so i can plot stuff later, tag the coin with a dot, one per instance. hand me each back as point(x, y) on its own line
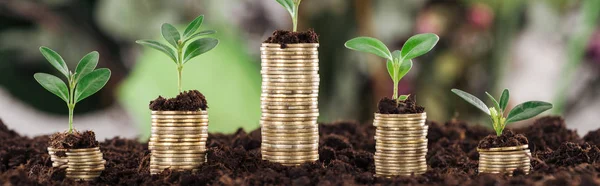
point(520, 152)
point(202, 112)
point(199, 147)
point(177, 132)
point(268, 95)
point(178, 151)
point(522, 147)
point(269, 52)
point(290, 131)
point(287, 135)
point(183, 116)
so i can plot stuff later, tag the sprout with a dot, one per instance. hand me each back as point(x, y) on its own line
point(195, 47)
point(520, 112)
point(81, 84)
point(292, 7)
point(400, 61)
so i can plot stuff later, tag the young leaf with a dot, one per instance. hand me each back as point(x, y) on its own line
point(160, 47)
point(493, 100)
point(53, 84)
point(390, 68)
point(504, 99)
point(405, 66)
point(203, 33)
point(193, 26)
point(369, 45)
point(86, 65)
point(418, 45)
point(527, 110)
point(55, 60)
point(288, 5)
point(403, 97)
point(472, 100)
point(198, 47)
point(170, 33)
point(91, 83)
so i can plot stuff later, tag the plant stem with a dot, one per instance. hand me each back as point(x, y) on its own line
point(396, 66)
point(71, 109)
point(295, 19)
point(179, 69)
point(71, 103)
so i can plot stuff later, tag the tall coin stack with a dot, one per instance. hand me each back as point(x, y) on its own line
point(84, 164)
point(289, 103)
point(504, 160)
point(401, 144)
point(178, 140)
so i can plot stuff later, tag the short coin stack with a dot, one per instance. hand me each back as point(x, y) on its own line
point(178, 140)
point(84, 164)
point(289, 103)
point(58, 161)
point(401, 144)
point(504, 160)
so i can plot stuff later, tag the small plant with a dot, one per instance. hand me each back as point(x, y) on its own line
point(400, 61)
point(189, 40)
point(81, 84)
point(292, 7)
point(521, 112)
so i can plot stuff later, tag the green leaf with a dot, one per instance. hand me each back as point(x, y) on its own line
point(160, 47)
point(86, 65)
point(390, 68)
point(170, 33)
point(193, 26)
point(405, 66)
point(288, 5)
point(493, 100)
point(91, 83)
point(472, 100)
point(203, 33)
point(403, 97)
point(527, 110)
point(55, 60)
point(504, 99)
point(369, 45)
point(199, 47)
point(53, 84)
point(418, 45)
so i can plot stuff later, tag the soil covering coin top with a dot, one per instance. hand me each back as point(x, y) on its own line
point(74, 140)
point(507, 139)
point(285, 37)
point(191, 100)
point(408, 106)
point(346, 158)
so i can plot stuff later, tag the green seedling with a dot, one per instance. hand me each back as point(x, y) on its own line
point(521, 112)
point(400, 61)
point(81, 84)
point(190, 40)
point(292, 7)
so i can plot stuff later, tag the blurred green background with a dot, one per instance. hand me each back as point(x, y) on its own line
point(541, 50)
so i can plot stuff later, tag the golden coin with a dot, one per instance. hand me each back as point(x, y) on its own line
point(400, 165)
point(179, 159)
point(291, 162)
point(172, 167)
point(304, 153)
point(519, 152)
point(84, 177)
point(178, 140)
point(178, 128)
point(395, 149)
point(199, 121)
point(274, 72)
point(84, 150)
point(377, 123)
point(158, 155)
point(288, 46)
point(513, 148)
point(298, 146)
point(392, 141)
point(202, 112)
point(284, 53)
point(86, 157)
point(504, 156)
point(296, 56)
point(292, 138)
point(290, 61)
point(504, 166)
point(288, 127)
point(400, 169)
point(289, 111)
point(186, 116)
point(291, 91)
point(89, 169)
point(177, 143)
point(200, 147)
point(287, 142)
point(286, 123)
point(291, 84)
point(400, 116)
point(290, 131)
point(505, 160)
point(301, 115)
point(271, 88)
point(284, 135)
point(412, 157)
point(179, 151)
point(297, 157)
point(381, 143)
point(267, 95)
point(177, 132)
point(290, 77)
point(311, 107)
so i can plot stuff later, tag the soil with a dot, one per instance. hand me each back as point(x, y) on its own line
point(74, 140)
point(549, 132)
point(285, 37)
point(391, 106)
point(191, 100)
point(346, 158)
point(507, 139)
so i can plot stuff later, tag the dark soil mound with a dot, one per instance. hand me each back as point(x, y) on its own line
point(408, 106)
point(191, 100)
point(346, 158)
point(74, 140)
point(284, 37)
point(507, 139)
point(548, 132)
point(593, 137)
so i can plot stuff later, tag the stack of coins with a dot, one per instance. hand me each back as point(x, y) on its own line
point(504, 160)
point(58, 161)
point(289, 103)
point(84, 164)
point(178, 140)
point(401, 144)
